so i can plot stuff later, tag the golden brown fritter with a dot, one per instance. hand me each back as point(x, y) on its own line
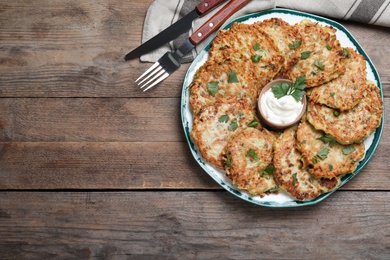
point(324, 157)
point(214, 125)
point(321, 54)
point(251, 44)
point(248, 153)
point(346, 91)
point(292, 175)
point(352, 126)
point(216, 81)
point(287, 38)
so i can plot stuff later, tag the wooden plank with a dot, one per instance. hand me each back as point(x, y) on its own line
point(124, 165)
point(72, 48)
point(132, 166)
point(76, 49)
point(190, 225)
point(90, 119)
point(97, 120)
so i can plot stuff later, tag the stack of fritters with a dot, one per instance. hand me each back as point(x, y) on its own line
point(305, 160)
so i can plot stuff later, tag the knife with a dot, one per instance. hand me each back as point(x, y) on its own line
point(174, 30)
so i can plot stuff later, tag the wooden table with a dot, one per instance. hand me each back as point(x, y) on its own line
point(91, 167)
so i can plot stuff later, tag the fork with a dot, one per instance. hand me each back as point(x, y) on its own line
point(171, 61)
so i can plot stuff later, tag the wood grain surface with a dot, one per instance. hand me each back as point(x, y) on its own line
point(180, 225)
point(93, 168)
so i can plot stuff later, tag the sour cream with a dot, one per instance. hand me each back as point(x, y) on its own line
point(283, 111)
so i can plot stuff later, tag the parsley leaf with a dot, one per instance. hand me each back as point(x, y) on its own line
point(256, 58)
point(328, 47)
point(319, 64)
point(305, 55)
point(212, 87)
point(224, 119)
point(294, 175)
point(328, 139)
point(323, 153)
point(254, 123)
point(346, 53)
point(314, 160)
point(269, 169)
point(280, 90)
point(298, 94)
point(256, 46)
point(252, 153)
point(300, 82)
point(349, 149)
point(295, 45)
point(232, 77)
point(233, 125)
point(296, 90)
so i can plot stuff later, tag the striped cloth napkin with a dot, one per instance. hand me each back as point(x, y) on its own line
point(163, 13)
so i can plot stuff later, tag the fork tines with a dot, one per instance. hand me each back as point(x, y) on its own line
point(155, 74)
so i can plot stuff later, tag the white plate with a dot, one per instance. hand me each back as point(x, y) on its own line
point(282, 199)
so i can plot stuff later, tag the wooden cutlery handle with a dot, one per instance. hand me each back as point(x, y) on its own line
point(217, 20)
point(207, 5)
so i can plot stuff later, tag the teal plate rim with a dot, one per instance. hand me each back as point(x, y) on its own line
point(241, 194)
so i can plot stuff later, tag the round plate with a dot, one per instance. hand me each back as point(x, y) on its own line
point(280, 200)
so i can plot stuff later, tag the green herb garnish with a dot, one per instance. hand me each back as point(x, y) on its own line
point(224, 119)
point(314, 160)
point(328, 139)
point(349, 149)
point(328, 47)
point(305, 54)
point(296, 90)
point(295, 45)
point(212, 87)
point(256, 58)
point(294, 178)
point(252, 154)
point(269, 169)
point(319, 64)
point(256, 46)
point(232, 77)
point(323, 153)
point(336, 113)
point(233, 125)
point(346, 53)
point(254, 123)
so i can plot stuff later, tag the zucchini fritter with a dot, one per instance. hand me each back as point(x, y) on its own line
point(292, 175)
point(215, 124)
point(215, 81)
point(248, 153)
point(346, 91)
point(287, 38)
point(324, 158)
point(249, 43)
point(321, 54)
point(352, 126)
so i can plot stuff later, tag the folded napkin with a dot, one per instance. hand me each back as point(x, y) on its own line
point(163, 13)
